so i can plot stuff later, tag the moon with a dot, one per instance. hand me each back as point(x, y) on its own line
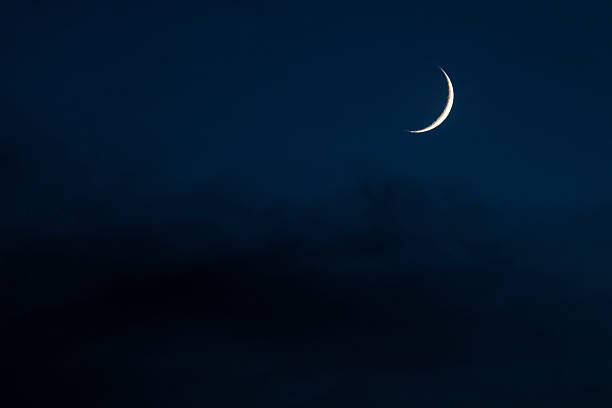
point(445, 112)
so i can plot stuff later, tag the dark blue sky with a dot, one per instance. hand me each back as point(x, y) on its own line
point(295, 101)
point(231, 183)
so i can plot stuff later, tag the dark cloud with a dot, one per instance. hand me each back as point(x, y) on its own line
point(413, 301)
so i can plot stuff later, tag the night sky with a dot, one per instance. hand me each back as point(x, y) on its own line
point(216, 204)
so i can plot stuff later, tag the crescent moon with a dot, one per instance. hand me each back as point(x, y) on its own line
point(445, 112)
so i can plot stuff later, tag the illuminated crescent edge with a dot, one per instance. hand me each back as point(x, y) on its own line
point(445, 112)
